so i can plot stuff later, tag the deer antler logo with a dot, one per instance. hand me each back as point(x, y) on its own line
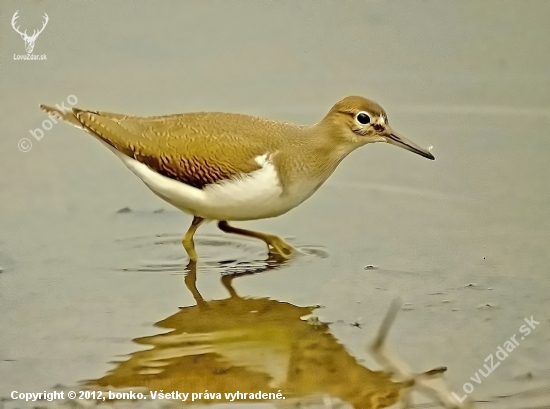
point(29, 40)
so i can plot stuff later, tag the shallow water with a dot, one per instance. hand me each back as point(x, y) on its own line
point(92, 297)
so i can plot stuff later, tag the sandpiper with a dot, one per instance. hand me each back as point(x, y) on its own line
point(231, 167)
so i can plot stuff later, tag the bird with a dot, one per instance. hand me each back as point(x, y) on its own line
point(229, 167)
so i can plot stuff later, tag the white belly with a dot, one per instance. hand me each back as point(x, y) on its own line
point(257, 195)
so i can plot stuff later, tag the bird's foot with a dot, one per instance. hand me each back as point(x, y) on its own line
point(278, 245)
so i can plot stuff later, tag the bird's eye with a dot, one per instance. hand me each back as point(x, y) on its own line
point(363, 118)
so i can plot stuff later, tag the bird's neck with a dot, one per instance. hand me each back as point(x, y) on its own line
point(327, 142)
point(323, 151)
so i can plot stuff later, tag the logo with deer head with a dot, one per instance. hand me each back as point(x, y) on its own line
point(29, 39)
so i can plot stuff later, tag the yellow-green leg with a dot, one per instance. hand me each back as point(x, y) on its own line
point(272, 241)
point(187, 241)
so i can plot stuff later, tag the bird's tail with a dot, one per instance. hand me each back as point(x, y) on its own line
point(66, 115)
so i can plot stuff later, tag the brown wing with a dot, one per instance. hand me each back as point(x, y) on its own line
point(196, 149)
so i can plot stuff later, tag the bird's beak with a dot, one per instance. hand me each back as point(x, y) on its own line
point(399, 140)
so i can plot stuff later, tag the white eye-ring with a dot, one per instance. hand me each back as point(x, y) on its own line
point(362, 118)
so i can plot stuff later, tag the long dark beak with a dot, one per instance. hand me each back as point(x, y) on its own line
point(399, 140)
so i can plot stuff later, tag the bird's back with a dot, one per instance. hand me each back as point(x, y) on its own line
point(194, 148)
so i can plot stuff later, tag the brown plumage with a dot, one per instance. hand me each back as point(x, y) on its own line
point(178, 146)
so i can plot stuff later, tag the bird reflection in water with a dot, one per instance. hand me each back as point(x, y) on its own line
point(260, 344)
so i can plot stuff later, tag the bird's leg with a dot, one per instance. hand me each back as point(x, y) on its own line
point(187, 241)
point(272, 241)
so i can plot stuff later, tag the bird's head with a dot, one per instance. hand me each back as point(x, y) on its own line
point(359, 121)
